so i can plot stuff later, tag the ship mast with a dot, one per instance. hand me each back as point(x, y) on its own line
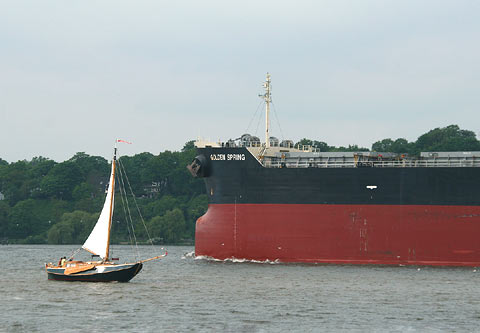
point(268, 99)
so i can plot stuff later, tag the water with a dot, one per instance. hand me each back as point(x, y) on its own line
point(180, 293)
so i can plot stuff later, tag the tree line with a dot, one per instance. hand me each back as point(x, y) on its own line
point(42, 201)
point(449, 138)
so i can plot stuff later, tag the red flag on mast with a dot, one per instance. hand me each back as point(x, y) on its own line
point(118, 140)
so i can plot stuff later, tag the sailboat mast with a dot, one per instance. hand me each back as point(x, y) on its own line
point(268, 100)
point(111, 200)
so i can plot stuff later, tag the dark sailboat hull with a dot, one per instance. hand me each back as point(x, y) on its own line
point(405, 216)
point(119, 273)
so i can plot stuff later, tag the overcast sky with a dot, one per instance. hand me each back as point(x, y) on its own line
point(75, 75)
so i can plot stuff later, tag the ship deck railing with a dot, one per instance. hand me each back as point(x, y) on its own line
point(372, 164)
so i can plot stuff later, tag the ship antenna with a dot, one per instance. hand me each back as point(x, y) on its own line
point(268, 99)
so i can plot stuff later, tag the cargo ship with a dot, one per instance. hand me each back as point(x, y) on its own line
point(273, 201)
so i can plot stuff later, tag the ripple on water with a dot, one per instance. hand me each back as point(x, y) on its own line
point(186, 293)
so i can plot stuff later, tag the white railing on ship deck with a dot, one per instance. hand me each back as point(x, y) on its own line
point(302, 163)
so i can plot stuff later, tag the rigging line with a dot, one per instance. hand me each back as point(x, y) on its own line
point(278, 121)
point(122, 173)
point(74, 253)
point(130, 224)
point(138, 209)
point(254, 115)
point(259, 121)
point(125, 213)
point(126, 220)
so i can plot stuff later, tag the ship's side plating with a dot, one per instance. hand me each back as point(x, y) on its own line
point(364, 215)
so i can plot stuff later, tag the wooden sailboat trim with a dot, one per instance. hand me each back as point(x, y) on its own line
point(154, 258)
point(90, 251)
point(111, 205)
point(77, 269)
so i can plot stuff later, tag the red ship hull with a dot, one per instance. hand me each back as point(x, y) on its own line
point(342, 234)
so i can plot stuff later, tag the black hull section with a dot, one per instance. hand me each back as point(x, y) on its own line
point(235, 176)
point(120, 275)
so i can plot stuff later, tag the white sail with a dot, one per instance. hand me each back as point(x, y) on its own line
point(97, 242)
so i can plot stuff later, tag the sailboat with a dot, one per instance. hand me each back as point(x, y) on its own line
point(98, 244)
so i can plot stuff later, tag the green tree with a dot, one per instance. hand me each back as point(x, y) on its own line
point(323, 146)
point(188, 146)
point(88, 197)
point(160, 207)
point(304, 142)
point(351, 148)
point(197, 207)
point(384, 145)
point(135, 167)
point(84, 191)
point(94, 169)
point(4, 212)
point(34, 217)
point(40, 166)
point(13, 179)
point(160, 168)
point(73, 228)
point(402, 145)
point(450, 138)
point(169, 227)
point(61, 180)
point(23, 221)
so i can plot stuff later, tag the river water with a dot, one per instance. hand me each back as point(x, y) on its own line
point(180, 293)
